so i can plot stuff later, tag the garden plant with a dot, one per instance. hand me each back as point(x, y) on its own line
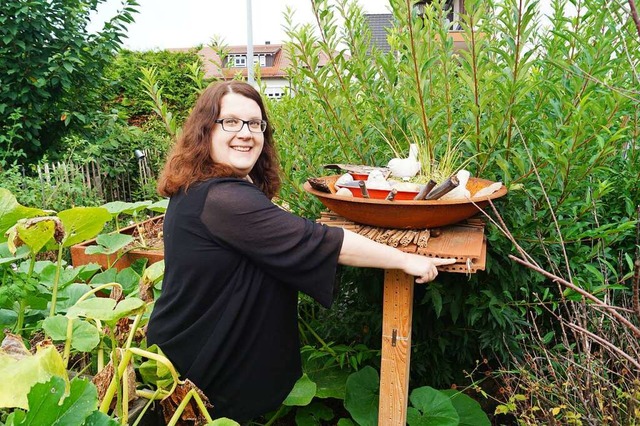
point(549, 105)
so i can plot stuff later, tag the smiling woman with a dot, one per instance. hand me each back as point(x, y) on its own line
point(234, 143)
point(235, 262)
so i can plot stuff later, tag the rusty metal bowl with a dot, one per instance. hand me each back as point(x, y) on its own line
point(405, 214)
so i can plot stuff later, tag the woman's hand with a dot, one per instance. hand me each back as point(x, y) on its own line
point(361, 251)
point(424, 268)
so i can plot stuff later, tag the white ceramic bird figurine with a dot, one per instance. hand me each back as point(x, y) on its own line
point(406, 167)
point(376, 180)
point(460, 191)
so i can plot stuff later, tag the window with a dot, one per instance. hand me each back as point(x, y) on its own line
point(260, 59)
point(238, 61)
point(275, 94)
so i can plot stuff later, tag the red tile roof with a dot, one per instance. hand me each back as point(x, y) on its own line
point(213, 65)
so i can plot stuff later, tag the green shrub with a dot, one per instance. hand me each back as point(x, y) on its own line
point(550, 112)
point(50, 69)
point(129, 96)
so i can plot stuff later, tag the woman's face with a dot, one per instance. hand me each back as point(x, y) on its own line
point(239, 150)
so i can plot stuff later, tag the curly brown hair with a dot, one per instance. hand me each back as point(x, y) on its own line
point(190, 160)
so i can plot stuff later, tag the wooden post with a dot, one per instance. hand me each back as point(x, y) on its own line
point(466, 243)
point(396, 348)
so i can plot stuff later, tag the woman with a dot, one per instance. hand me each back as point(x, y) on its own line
point(235, 262)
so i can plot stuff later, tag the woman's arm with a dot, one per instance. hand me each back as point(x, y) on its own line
point(363, 252)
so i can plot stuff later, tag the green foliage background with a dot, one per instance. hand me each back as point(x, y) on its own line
point(50, 66)
point(551, 112)
point(129, 96)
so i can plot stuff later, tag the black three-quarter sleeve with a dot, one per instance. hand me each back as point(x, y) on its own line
point(293, 250)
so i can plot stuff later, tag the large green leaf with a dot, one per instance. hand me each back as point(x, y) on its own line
point(302, 393)
point(129, 280)
point(109, 243)
point(159, 206)
point(11, 211)
point(66, 276)
point(98, 418)
point(48, 404)
point(87, 271)
point(118, 207)
point(106, 309)
point(83, 223)
point(154, 272)
point(69, 295)
point(154, 372)
point(18, 375)
point(8, 318)
point(33, 234)
point(331, 382)
point(313, 414)
point(84, 336)
point(105, 277)
point(468, 409)
point(431, 408)
point(362, 396)
point(7, 257)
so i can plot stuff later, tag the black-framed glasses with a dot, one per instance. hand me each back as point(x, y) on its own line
point(236, 124)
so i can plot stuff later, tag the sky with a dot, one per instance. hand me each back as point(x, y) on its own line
point(162, 24)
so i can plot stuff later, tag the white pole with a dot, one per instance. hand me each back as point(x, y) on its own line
point(249, 44)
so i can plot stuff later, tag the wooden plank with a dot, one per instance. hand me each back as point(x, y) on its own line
point(454, 240)
point(466, 243)
point(397, 314)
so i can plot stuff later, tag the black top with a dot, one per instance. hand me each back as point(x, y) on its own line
point(227, 316)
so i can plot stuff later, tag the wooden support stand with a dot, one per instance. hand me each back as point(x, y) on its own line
point(396, 347)
point(465, 242)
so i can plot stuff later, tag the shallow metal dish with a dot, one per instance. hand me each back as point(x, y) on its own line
point(405, 214)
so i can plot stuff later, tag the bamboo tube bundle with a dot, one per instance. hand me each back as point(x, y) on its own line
point(408, 237)
point(394, 239)
point(384, 236)
point(423, 238)
point(445, 187)
point(425, 190)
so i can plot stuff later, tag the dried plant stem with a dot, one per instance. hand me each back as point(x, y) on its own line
point(636, 266)
point(423, 115)
point(606, 343)
point(587, 295)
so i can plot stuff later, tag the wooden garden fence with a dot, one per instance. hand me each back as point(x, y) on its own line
point(97, 177)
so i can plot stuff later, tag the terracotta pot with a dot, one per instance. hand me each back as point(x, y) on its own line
point(406, 214)
point(79, 257)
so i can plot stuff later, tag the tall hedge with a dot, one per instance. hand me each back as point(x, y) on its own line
point(49, 67)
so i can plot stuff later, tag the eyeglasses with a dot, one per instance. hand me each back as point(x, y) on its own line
point(236, 124)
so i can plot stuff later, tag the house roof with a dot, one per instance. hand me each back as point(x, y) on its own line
point(213, 65)
point(378, 24)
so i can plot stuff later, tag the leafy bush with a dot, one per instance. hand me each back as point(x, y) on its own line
point(131, 98)
point(51, 67)
point(550, 112)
